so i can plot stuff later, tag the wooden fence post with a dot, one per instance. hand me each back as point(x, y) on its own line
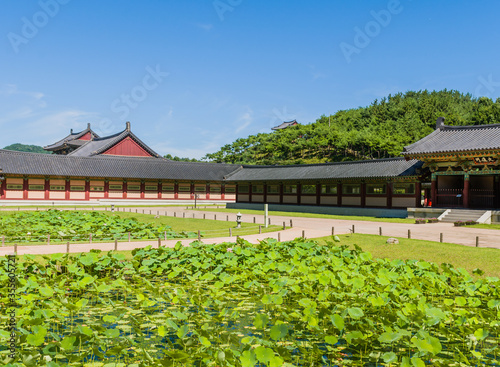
point(159, 242)
point(230, 233)
point(116, 244)
point(48, 239)
point(279, 237)
point(260, 229)
point(353, 229)
point(303, 234)
point(333, 231)
point(291, 224)
point(477, 241)
point(90, 238)
point(284, 225)
point(199, 236)
point(441, 237)
point(15, 248)
point(67, 247)
point(409, 233)
point(380, 231)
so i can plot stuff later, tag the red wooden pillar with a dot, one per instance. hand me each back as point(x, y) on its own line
point(299, 192)
point(388, 193)
point(192, 193)
point(176, 190)
point(124, 190)
point(47, 189)
point(418, 194)
point(265, 192)
point(87, 190)
point(318, 194)
point(466, 190)
point(433, 190)
point(25, 188)
point(3, 186)
point(339, 194)
point(281, 193)
point(223, 191)
point(106, 189)
point(249, 193)
point(67, 189)
point(363, 194)
point(143, 189)
point(207, 191)
point(160, 189)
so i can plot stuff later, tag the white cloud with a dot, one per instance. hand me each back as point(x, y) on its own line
point(205, 26)
point(244, 121)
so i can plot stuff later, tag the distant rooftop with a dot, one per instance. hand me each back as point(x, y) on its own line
point(285, 124)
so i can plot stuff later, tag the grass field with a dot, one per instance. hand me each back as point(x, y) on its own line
point(469, 258)
point(312, 215)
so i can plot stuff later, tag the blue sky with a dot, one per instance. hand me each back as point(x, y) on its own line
point(194, 75)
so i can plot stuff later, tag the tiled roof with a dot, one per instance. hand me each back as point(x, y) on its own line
point(100, 145)
point(456, 139)
point(71, 139)
point(285, 125)
point(390, 167)
point(21, 163)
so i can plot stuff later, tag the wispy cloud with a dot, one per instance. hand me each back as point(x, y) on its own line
point(316, 74)
point(205, 26)
point(244, 121)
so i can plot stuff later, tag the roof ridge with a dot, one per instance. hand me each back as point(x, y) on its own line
point(324, 163)
point(475, 127)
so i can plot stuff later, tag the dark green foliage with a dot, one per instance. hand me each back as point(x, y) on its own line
point(274, 304)
point(179, 159)
point(380, 130)
point(27, 148)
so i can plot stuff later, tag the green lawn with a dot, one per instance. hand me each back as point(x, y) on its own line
point(470, 258)
point(485, 226)
point(312, 215)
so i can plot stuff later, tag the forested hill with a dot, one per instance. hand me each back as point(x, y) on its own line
point(26, 148)
point(380, 130)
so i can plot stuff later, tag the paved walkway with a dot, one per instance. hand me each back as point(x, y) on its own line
point(311, 227)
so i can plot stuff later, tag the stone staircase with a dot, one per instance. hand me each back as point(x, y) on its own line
point(462, 215)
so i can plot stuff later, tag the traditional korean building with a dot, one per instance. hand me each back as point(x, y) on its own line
point(464, 165)
point(455, 166)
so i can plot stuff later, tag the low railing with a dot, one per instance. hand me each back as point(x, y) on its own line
point(479, 198)
point(449, 197)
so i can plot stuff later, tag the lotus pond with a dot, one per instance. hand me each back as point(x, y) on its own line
point(274, 304)
point(63, 225)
